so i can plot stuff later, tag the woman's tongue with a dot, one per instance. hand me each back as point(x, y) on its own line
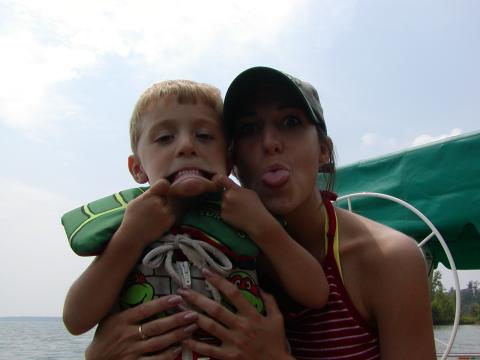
point(274, 178)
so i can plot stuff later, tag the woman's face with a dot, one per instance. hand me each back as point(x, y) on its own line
point(277, 152)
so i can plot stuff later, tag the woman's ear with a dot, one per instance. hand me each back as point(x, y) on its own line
point(136, 169)
point(325, 155)
point(229, 162)
point(234, 171)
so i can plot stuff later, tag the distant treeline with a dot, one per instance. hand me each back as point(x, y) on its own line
point(443, 302)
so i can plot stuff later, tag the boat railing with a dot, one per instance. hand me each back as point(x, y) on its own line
point(433, 234)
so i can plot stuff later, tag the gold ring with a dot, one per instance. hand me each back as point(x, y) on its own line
point(141, 334)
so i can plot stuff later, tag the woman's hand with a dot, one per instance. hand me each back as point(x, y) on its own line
point(245, 334)
point(120, 337)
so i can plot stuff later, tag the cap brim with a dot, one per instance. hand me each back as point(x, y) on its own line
point(249, 80)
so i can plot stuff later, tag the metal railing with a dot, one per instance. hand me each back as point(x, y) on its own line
point(434, 233)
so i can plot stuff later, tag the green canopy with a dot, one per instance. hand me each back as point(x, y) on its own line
point(441, 179)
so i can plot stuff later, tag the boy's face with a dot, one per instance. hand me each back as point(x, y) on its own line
point(183, 143)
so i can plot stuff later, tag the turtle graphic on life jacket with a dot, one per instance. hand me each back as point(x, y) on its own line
point(91, 226)
point(136, 292)
point(248, 287)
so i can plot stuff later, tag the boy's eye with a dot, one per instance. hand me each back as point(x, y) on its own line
point(291, 121)
point(204, 136)
point(164, 138)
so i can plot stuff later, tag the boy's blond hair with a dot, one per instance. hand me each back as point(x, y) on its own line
point(186, 92)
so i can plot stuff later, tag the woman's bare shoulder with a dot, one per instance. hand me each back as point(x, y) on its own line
point(377, 259)
point(368, 238)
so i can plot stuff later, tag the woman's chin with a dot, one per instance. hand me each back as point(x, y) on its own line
point(191, 186)
point(277, 206)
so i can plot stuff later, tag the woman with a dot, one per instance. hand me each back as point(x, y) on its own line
point(378, 303)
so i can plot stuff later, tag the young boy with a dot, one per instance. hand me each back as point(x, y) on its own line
point(179, 148)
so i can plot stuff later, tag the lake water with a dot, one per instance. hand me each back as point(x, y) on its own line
point(46, 338)
point(466, 341)
point(39, 338)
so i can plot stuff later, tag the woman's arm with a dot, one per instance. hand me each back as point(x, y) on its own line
point(300, 274)
point(118, 337)
point(385, 275)
point(93, 294)
point(402, 305)
point(245, 334)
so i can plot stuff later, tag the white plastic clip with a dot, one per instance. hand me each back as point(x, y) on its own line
point(183, 268)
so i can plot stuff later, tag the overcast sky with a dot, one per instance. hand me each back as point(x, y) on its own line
point(390, 74)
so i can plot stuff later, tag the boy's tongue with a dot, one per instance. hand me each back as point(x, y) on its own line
point(275, 178)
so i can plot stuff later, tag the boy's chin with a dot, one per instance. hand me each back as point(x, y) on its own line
point(191, 186)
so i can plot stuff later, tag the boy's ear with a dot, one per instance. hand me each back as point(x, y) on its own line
point(136, 169)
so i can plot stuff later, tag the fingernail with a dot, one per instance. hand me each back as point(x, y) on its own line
point(176, 350)
point(183, 307)
point(183, 292)
point(191, 315)
point(186, 343)
point(207, 273)
point(190, 328)
point(174, 299)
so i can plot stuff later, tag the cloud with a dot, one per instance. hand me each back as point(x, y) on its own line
point(37, 264)
point(424, 139)
point(374, 144)
point(376, 140)
point(48, 43)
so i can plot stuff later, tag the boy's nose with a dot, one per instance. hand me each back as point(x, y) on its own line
point(186, 146)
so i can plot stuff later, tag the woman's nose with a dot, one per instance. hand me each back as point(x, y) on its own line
point(186, 146)
point(271, 141)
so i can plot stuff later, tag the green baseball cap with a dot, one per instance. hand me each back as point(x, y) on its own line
point(250, 79)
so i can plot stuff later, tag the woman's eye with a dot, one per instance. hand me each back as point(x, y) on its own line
point(291, 121)
point(247, 129)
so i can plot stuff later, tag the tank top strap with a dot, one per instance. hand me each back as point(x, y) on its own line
point(331, 230)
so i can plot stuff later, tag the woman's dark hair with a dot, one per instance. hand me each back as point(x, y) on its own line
point(326, 173)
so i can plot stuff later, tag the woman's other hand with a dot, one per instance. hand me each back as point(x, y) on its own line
point(119, 335)
point(245, 334)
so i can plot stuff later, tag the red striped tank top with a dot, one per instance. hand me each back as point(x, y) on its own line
point(337, 331)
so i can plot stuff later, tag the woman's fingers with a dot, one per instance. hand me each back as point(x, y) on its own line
point(169, 354)
point(207, 350)
point(167, 339)
point(160, 333)
point(245, 334)
point(271, 306)
point(166, 331)
point(209, 306)
point(231, 292)
point(141, 312)
point(160, 326)
point(214, 328)
point(120, 336)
